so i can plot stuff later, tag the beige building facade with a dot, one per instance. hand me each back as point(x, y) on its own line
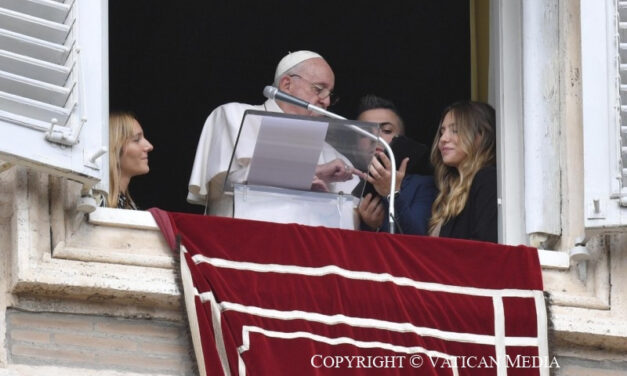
point(99, 293)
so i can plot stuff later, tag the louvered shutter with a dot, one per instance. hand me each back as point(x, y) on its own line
point(54, 86)
point(604, 105)
point(622, 42)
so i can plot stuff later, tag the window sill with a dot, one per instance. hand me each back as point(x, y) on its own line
point(135, 219)
point(143, 220)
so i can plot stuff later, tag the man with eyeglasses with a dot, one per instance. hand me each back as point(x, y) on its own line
point(303, 74)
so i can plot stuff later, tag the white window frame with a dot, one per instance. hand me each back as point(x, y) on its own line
point(507, 97)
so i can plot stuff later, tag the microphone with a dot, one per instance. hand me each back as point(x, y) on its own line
point(272, 92)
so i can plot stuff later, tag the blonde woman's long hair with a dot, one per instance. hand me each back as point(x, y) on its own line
point(120, 131)
point(475, 123)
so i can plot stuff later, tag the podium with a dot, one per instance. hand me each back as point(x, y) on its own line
point(276, 159)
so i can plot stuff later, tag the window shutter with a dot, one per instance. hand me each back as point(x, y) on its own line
point(604, 104)
point(54, 87)
point(622, 135)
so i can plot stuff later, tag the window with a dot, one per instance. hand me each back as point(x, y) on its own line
point(54, 87)
point(604, 80)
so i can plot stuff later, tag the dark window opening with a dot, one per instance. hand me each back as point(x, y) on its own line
point(173, 63)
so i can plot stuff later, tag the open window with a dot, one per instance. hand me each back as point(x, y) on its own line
point(54, 87)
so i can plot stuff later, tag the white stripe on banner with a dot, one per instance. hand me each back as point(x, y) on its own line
point(246, 330)
point(189, 295)
point(359, 275)
point(499, 336)
point(543, 341)
point(370, 323)
point(216, 321)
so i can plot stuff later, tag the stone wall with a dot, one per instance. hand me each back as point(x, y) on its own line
point(80, 298)
point(98, 342)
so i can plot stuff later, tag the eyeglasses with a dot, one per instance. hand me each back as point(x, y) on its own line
point(321, 91)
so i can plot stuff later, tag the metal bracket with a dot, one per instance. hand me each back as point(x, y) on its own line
point(91, 161)
point(65, 136)
point(86, 204)
point(596, 209)
point(623, 193)
point(580, 254)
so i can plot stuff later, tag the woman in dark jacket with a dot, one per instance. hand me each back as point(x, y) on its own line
point(464, 158)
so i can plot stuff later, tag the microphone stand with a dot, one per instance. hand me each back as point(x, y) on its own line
point(271, 92)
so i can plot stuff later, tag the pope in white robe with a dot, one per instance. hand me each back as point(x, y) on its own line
point(304, 74)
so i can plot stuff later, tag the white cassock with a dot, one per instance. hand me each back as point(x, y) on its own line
point(213, 156)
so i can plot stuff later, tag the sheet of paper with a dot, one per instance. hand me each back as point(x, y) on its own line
point(287, 152)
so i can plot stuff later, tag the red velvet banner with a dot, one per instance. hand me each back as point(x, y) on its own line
point(275, 299)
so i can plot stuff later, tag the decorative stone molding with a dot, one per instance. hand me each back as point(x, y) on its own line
point(57, 253)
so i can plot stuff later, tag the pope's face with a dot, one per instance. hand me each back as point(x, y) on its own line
point(312, 83)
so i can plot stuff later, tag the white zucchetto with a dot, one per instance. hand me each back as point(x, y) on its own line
point(292, 59)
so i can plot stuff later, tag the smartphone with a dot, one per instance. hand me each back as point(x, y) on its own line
point(404, 147)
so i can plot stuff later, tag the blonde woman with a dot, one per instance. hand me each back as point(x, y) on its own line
point(128, 157)
point(464, 157)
